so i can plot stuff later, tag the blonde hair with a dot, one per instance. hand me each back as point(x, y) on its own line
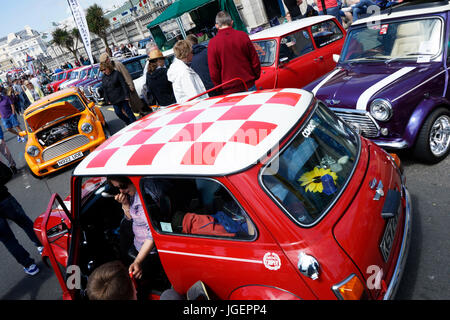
point(106, 65)
point(182, 49)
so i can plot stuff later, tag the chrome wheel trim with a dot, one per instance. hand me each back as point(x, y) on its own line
point(440, 136)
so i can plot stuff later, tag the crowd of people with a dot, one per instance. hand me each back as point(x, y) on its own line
point(194, 70)
point(345, 11)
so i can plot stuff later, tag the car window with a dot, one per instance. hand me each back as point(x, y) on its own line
point(195, 207)
point(325, 33)
point(314, 168)
point(143, 60)
point(266, 50)
point(134, 66)
point(83, 73)
point(295, 45)
point(408, 40)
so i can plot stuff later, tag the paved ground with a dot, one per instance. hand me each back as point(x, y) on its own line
point(426, 275)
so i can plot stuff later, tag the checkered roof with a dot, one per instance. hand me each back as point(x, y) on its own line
point(214, 136)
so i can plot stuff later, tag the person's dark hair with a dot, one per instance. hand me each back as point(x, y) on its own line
point(119, 179)
point(223, 19)
point(110, 281)
point(193, 39)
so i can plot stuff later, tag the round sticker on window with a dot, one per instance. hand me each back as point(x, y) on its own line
point(272, 261)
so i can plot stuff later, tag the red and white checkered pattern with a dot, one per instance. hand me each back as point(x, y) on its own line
point(215, 136)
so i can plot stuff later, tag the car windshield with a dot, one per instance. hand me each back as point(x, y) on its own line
point(310, 173)
point(93, 72)
point(266, 50)
point(418, 40)
point(83, 74)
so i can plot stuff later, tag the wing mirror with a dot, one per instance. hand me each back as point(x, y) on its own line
point(91, 105)
point(23, 133)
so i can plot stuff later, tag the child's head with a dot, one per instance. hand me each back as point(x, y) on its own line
point(110, 281)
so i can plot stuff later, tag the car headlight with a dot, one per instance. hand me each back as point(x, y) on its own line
point(86, 127)
point(33, 151)
point(381, 109)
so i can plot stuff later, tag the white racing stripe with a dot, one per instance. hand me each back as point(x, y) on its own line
point(366, 95)
point(209, 256)
point(327, 78)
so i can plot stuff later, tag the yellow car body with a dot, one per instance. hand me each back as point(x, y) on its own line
point(62, 128)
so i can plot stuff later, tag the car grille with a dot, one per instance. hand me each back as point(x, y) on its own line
point(360, 121)
point(63, 147)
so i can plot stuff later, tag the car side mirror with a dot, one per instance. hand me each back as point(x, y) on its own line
point(336, 57)
point(91, 105)
point(23, 133)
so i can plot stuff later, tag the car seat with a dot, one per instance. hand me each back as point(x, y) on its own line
point(409, 37)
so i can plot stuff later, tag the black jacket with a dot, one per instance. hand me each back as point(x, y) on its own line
point(200, 64)
point(294, 9)
point(160, 87)
point(5, 176)
point(115, 88)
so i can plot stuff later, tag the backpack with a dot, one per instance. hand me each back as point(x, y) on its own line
point(230, 225)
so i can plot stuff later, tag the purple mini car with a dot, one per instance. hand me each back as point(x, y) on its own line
point(391, 82)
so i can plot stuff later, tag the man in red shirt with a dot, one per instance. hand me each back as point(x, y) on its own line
point(231, 55)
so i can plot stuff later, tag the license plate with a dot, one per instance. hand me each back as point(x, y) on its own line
point(388, 237)
point(69, 159)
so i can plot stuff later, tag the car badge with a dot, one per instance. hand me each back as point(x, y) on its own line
point(332, 102)
point(379, 192)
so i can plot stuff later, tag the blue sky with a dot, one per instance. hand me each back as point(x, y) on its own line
point(39, 14)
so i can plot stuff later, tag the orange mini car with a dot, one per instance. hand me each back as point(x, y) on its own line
point(61, 128)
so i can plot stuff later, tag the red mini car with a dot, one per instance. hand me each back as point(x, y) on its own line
point(294, 54)
point(59, 79)
point(260, 195)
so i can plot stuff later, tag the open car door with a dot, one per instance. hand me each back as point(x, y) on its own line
point(56, 231)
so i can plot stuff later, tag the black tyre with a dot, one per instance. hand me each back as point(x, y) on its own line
point(433, 142)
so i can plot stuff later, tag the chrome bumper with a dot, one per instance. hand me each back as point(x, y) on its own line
point(392, 144)
point(403, 255)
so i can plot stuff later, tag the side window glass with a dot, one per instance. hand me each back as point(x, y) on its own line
point(325, 33)
point(197, 207)
point(133, 67)
point(295, 45)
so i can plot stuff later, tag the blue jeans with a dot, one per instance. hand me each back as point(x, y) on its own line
point(361, 8)
point(12, 210)
point(124, 106)
point(333, 12)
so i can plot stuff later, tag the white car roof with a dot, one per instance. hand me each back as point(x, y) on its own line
point(215, 136)
point(289, 27)
point(403, 13)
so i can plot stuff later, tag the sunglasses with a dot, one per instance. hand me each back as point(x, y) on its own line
point(122, 186)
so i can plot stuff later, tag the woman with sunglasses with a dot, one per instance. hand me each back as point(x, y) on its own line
point(133, 210)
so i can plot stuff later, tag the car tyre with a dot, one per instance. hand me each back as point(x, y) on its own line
point(433, 142)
